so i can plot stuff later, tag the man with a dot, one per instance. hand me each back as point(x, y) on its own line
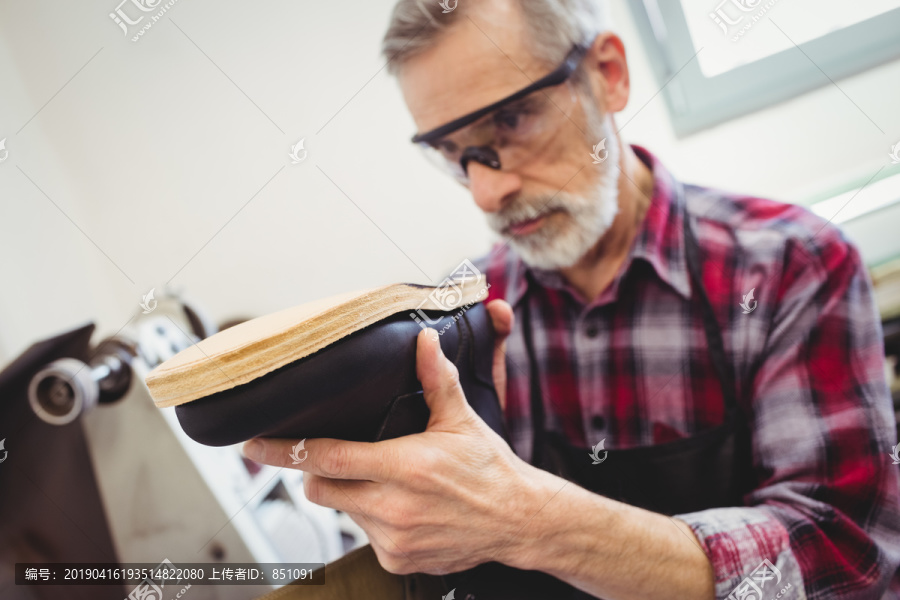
point(656, 313)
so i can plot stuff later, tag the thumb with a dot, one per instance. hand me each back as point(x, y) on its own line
point(439, 378)
point(502, 319)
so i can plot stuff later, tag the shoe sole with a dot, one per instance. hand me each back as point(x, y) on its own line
point(250, 350)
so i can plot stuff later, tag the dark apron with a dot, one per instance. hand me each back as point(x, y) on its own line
point(711, 469)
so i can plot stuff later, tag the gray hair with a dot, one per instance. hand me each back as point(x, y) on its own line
point(553, 26)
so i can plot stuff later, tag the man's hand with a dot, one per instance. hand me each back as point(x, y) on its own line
point(456, 496)
point(438, 502)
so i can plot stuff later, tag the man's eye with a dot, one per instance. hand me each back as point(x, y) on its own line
point(508, 119)
point(446, 146)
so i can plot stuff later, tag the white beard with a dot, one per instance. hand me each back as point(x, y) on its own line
point(564, 238)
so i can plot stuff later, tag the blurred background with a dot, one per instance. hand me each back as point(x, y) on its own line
point(237, 159)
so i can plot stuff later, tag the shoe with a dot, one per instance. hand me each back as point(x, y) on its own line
point(343, 367)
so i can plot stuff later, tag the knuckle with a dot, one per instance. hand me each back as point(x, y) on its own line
point(336, 461)
point(382, 554)
point(390, 564)
point(452, 372)
point(453, 382)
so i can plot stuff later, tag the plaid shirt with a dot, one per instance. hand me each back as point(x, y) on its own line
point(632, 367)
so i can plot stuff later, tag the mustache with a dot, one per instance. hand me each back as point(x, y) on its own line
point(523, 209)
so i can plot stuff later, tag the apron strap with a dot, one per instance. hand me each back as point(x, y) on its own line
point(537, 398)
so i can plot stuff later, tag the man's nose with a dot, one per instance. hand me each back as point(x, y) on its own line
point(491, 187)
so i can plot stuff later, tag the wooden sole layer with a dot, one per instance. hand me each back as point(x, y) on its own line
point(251, 349)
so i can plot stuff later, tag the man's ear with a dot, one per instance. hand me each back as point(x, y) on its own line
point(607, 70)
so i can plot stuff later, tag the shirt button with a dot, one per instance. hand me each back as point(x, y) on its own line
point(592, 331)
point(598, 422)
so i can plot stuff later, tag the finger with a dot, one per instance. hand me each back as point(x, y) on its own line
point(502, 318)
point(440, 381)
point(347, 496)
point(336, 459)
point(439, 378)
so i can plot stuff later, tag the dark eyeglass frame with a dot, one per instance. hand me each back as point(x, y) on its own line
point(558, 76)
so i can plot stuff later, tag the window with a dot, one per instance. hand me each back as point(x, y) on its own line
point(736, 56)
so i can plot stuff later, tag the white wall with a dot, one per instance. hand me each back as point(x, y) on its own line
point(170, 155)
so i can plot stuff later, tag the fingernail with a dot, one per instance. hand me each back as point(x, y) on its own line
point(254, 450)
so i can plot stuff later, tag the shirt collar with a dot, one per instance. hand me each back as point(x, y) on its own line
point(659, 242)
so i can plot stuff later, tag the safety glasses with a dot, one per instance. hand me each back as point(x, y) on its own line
point(508, 132)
